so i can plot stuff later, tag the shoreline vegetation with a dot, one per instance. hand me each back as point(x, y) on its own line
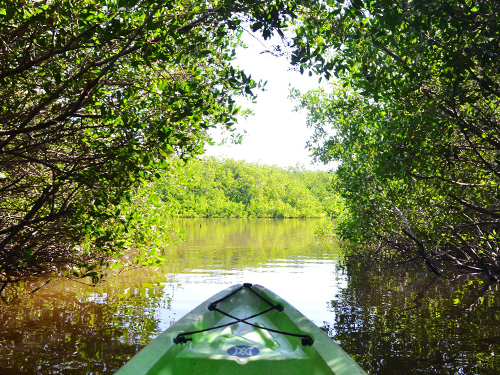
point(226, 188)
point(413, 118)
point(141, 229)
point(97, 98)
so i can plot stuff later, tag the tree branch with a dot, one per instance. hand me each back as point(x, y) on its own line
point(482, 210)
point(433, 265)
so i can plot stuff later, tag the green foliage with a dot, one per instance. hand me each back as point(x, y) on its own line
point(140, 233)
point(94, 96)
point(413, 117)
point(228, 188)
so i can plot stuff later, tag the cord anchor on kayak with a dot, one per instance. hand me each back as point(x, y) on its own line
point(181, 338)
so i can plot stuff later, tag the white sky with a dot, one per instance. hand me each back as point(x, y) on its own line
point(275, 135)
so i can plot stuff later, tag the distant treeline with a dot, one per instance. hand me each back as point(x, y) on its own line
point(213, 187)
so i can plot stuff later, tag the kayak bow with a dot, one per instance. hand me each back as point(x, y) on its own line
point(245, 329)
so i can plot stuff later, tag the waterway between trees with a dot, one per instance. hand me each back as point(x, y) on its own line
point(391, 320)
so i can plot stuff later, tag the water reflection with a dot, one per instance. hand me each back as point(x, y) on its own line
point(391, 320)
point(400, 321)
point(69, 328)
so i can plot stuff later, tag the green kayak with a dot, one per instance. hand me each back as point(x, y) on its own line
point(245, 329)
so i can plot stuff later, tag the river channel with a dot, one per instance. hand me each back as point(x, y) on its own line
point(391, 320)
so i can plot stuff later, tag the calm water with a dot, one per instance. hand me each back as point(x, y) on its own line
point(392, 321)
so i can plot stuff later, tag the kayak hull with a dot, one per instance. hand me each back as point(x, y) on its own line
point(279, 341)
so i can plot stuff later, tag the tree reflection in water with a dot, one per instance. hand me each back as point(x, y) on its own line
point(401, 321)
point(391, 320)
point(68, 330)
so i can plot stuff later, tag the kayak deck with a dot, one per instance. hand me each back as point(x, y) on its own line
point(245, 330)
point(240, 343)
